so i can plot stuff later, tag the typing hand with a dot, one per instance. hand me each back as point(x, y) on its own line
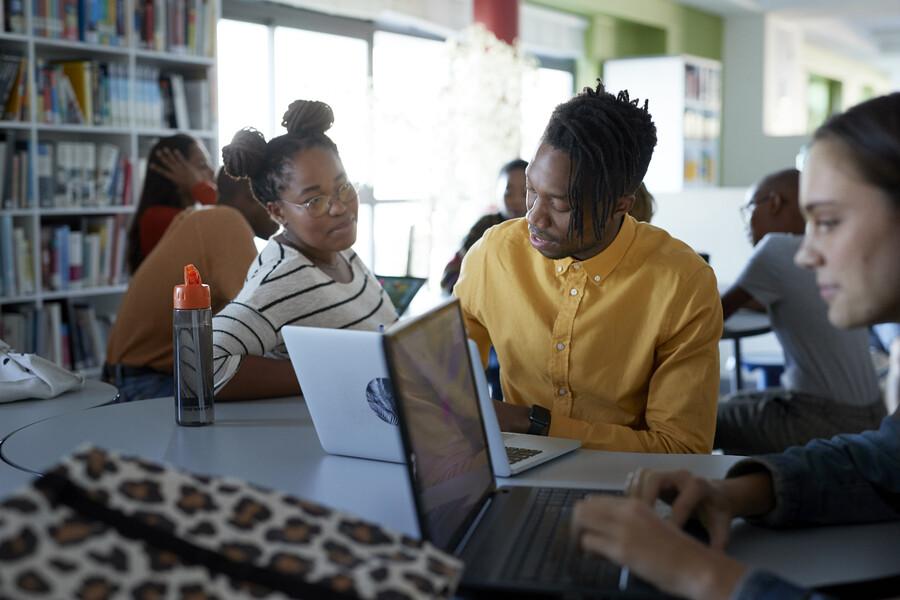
point(629, 532)
point(689, 495)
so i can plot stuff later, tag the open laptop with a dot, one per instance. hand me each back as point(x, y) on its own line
point(401, 289)
point(511, 539)
point(346, 387)
point(512, 453)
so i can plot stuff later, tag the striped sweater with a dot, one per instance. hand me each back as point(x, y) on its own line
point(283, 287)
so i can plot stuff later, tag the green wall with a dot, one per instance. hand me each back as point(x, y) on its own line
point(640, 28)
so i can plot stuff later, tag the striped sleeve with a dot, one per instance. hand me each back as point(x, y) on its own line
point(238, 330)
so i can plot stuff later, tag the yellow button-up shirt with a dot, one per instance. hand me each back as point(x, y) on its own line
point(622, 347)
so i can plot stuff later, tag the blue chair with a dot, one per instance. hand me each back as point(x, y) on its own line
point(770, 366)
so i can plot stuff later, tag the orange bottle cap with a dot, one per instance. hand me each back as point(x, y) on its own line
point(193, 293)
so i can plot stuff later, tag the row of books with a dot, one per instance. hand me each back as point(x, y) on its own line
point(87, 255)
point(69, 175)
point(68, 333)
point(167, 100)
point(82, 92)
point(92, 21)
point(90, 92)
point(179, 26)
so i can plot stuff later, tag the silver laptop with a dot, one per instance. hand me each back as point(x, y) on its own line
point(512, 453)
point(345, 383)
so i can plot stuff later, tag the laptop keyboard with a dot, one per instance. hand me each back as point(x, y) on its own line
point(545, 552)
point(514, 455)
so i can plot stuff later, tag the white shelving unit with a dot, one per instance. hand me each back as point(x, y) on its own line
point(133, 141)
point(685, 95)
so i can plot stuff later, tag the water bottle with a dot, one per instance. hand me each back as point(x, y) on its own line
point(192, 343)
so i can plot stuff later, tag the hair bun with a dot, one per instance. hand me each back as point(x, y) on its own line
point(308, 117)
point(245, 155)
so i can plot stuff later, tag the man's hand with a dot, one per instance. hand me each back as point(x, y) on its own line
point(513, 419)
point(630, 533)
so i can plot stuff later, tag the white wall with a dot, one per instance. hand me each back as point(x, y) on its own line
point(709, 221)
point(748, 154)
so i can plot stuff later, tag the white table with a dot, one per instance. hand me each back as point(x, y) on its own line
point(15, 415)
point(273, 443)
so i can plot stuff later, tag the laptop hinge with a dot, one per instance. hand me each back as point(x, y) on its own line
point(473, 526)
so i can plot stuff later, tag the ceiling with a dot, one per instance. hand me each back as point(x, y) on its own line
point(867, 29)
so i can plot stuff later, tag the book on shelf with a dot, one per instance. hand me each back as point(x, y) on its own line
point(83, 92)
point(15, 15)
point(15, 107)
point(82, 174)
point(86, 254)
point(177, 26)
point(16, 183)
point(92, 21)
point(70, 334)
point(7, 256)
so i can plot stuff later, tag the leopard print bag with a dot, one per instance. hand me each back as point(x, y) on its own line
point(101, 525)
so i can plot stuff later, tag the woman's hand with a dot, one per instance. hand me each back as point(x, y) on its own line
point(689, 495)
point(629, 532)
point(173, 165)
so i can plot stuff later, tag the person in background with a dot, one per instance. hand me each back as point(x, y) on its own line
point(850, 195)
point(511, 184)
point(606, 329)
point(829, 385)
point(307, 274)
point(178, 175)
point(219, 241)
point(644, 205)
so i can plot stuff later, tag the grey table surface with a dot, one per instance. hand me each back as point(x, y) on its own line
point(273, 443)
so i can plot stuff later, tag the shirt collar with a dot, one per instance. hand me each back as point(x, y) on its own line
point(599, 267)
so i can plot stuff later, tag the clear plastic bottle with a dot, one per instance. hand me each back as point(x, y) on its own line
point(192, 343)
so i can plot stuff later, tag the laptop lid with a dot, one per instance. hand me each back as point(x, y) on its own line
point(401, 289)
point(345, 385)
point(440, 422)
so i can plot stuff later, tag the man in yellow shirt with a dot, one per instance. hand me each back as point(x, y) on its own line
point(606, 329)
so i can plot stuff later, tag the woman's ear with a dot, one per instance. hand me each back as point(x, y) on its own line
point(274, 210)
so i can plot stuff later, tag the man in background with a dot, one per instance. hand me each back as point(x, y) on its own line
point(829, 384)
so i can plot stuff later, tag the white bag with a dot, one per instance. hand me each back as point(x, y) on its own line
point(30, 376)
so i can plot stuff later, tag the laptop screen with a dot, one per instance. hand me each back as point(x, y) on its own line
point(441, 422)
point(401, 289)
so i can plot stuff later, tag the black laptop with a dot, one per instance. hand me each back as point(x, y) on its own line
point(513, 540)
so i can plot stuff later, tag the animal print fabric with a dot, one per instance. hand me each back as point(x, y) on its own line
point(101, 525)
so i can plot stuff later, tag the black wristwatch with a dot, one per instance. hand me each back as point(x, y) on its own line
point(540, 420)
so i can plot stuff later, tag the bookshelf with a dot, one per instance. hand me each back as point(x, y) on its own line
point(101, 82)
point(686, 103)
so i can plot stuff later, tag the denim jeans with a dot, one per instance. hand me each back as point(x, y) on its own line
point(140, 387)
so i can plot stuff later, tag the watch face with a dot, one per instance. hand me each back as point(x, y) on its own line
point(539, 415)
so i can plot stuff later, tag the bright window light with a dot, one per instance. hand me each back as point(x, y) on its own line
point(542, 91)
point(243, 75)
point(334, 69)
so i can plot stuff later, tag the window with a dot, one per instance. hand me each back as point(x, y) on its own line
point(541, 93)
point(385, 88)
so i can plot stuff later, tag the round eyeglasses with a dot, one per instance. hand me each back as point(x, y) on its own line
point(320, 206)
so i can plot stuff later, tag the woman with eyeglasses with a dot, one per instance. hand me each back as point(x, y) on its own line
point(307, 274)
point(850, 196)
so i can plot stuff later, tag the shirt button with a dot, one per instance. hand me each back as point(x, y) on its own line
point(597, 278)
point(560, 346)
point(573, 292)
point(559, 269)
point(576, 266)
point(562, 391)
